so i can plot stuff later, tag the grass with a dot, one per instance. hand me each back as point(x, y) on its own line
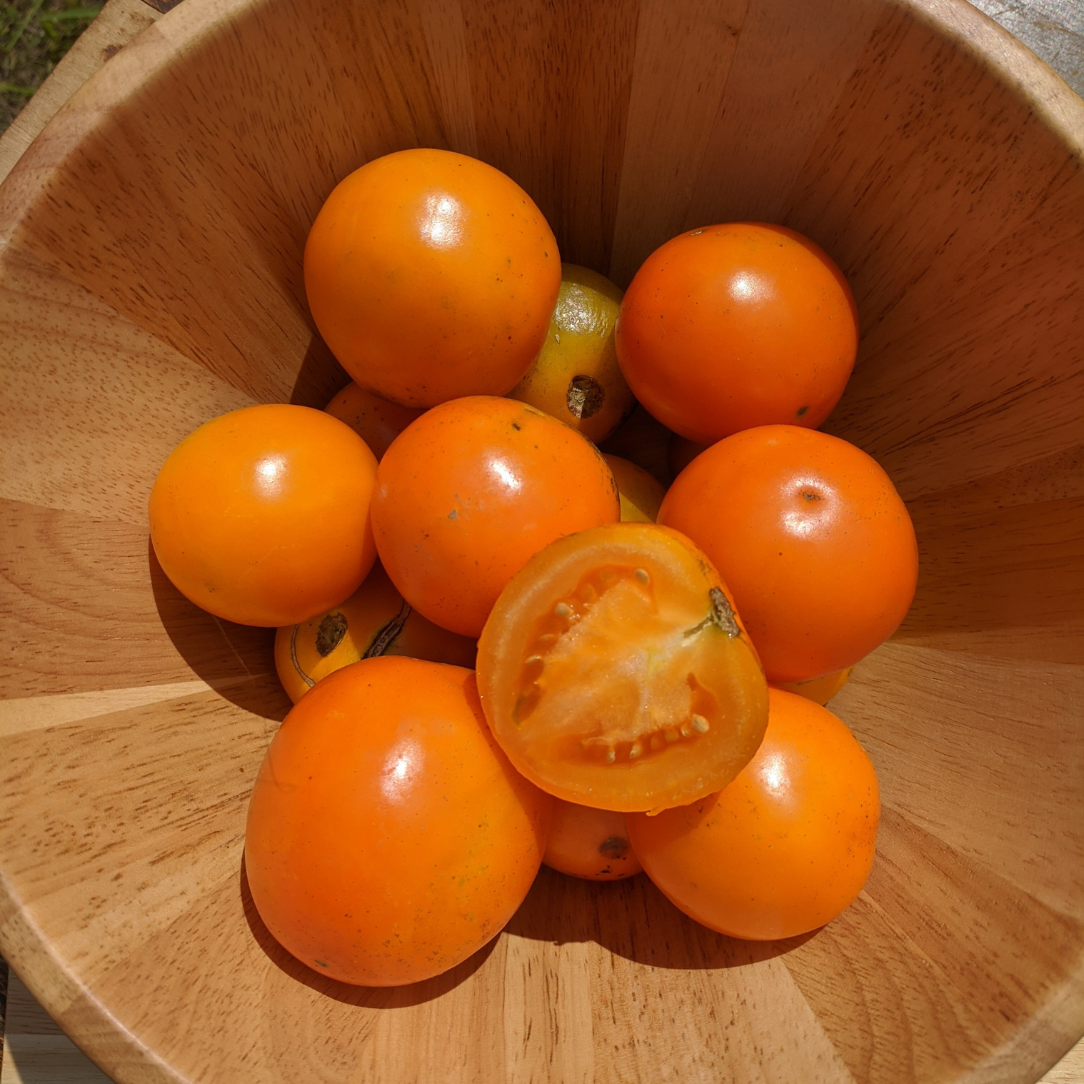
point(34, 36)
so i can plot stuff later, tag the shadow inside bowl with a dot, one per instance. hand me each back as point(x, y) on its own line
point(237, 661)
point(633, 919)
point(372, 997)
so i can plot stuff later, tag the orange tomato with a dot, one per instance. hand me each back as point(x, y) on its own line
point(431, 275)
point(576, 377)
point(387, 838)
point(468, 492)
point(616, 674)
point(812, 538)
point(261, 516)
point(737, 325)
point(373, 621)
point(640, 493)
point(589, 843)
point(375, 420)
point(786, 846)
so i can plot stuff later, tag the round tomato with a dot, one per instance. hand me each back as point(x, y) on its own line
point(261, 516)
point(373, 621)
point(468, 492)
point(388, 839)
point(737, 325)
point(576, 377)
point(786, 846)
point(431, 275)
point(615, 672)
point(812, 538)
point(589, 843)
point(377, 421)
point(640, 493)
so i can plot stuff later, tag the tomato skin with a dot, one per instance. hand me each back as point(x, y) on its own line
point(737, 325)
point(468, 492)
point(589, 843)
point(373, 621)
point(387, 837)
point(377, 421)
point(431, 275)
point(812, 538)
point(640, 493)
point(261, 516)
point(786, 846)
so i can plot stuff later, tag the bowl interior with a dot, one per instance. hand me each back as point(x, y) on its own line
point(150, 279)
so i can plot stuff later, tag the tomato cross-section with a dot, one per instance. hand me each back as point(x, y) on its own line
point(615, 672)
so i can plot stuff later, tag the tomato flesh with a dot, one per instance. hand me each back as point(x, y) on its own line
point(616, 674)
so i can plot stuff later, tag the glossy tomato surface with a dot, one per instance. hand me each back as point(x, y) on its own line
point(388, 838)
point(261, 516)
point(589, 843)
point(576, 377)
point(737, 325)
point(786, 846)
point(615, 672)
point(431, 275)
point(375, 620)
point(470, 491)
point(812, 538)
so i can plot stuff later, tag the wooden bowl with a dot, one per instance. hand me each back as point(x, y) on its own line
point(150, 278)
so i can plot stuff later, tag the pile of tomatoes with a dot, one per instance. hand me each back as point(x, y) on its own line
point(505, 646)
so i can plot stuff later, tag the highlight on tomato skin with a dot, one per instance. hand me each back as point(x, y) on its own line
point(615, 672)
point(388, 838)
point(592, 844)
point(784, 848)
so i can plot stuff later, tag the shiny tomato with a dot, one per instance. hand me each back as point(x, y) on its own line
point(786, 846)
point(377, 421)
point(374, 620)
point(615, 672)
point(640, 493)
point(470, 491)
point(388, 839)
point(261, 516)
point(589, 843)
point(576, 377)
point(431, 275)
point(812, 538)
point(737, 325)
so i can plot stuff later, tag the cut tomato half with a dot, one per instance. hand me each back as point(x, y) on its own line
point(615, 672)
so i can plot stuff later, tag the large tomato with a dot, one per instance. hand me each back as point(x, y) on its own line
point(810, 535)
point(388, 839)
point(615, 672)
point(469, 491)
point(431, 275)
point(737, 325)
point(261, 516)
point(786, 846)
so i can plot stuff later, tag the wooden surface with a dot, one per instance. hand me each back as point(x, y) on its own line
point(134, 724)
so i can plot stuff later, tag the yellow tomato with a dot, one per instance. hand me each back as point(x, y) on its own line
point(373, 621)
point(576, 377)
point(640, 493)
point(820, 690)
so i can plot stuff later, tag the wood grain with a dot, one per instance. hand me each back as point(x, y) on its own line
point(158, 249)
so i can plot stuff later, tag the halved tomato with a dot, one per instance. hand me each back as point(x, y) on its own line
point(615, 672)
